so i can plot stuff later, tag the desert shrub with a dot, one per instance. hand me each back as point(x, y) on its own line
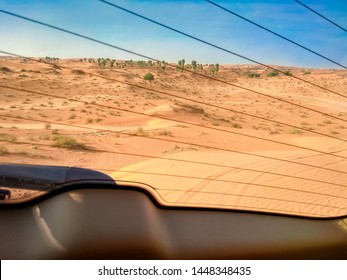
point(8, 138)
point(139, 132)
point(72, 116)
point(5, 69)
point(164, 132)
point(251, 74)
point(194, 109)
point(56, 67)
point(3, 150)
point(295, 131)
point(273, 73)
point(148, 77)
point(236, 125)
point(68, 142)
point(45, 137)
point(327, 122)
point(78, 72)
point(288, 73)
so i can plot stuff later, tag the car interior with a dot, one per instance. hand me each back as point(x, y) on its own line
point(84, 214)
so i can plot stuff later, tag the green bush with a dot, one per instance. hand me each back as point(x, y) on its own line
point(251, 74)
point(273, 73)
point(148, 77)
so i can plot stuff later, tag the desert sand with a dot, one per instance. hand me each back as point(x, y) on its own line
point(231, 142)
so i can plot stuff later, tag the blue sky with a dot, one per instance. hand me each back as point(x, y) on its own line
point(198, 18)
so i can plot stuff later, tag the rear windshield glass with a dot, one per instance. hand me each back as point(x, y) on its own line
point(230, 106)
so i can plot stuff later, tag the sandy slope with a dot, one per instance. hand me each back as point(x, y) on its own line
point(151, 134)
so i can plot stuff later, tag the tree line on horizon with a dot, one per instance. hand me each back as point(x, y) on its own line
point(213, 69)
point(181, 65)
point(161, 65)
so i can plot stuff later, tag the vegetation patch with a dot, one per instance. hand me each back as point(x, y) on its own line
point(8, 138)
point(72, 116)
point(5, 69)
point(68, 142)
point(273, 73)
point(139, 132)
point(78, 72)
point(148, 77)
point(295, 131)
point(3, 150)
point(164, 132)
point(236, 125)
point(327, 122)
point(251, 74)
point(195, 109)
